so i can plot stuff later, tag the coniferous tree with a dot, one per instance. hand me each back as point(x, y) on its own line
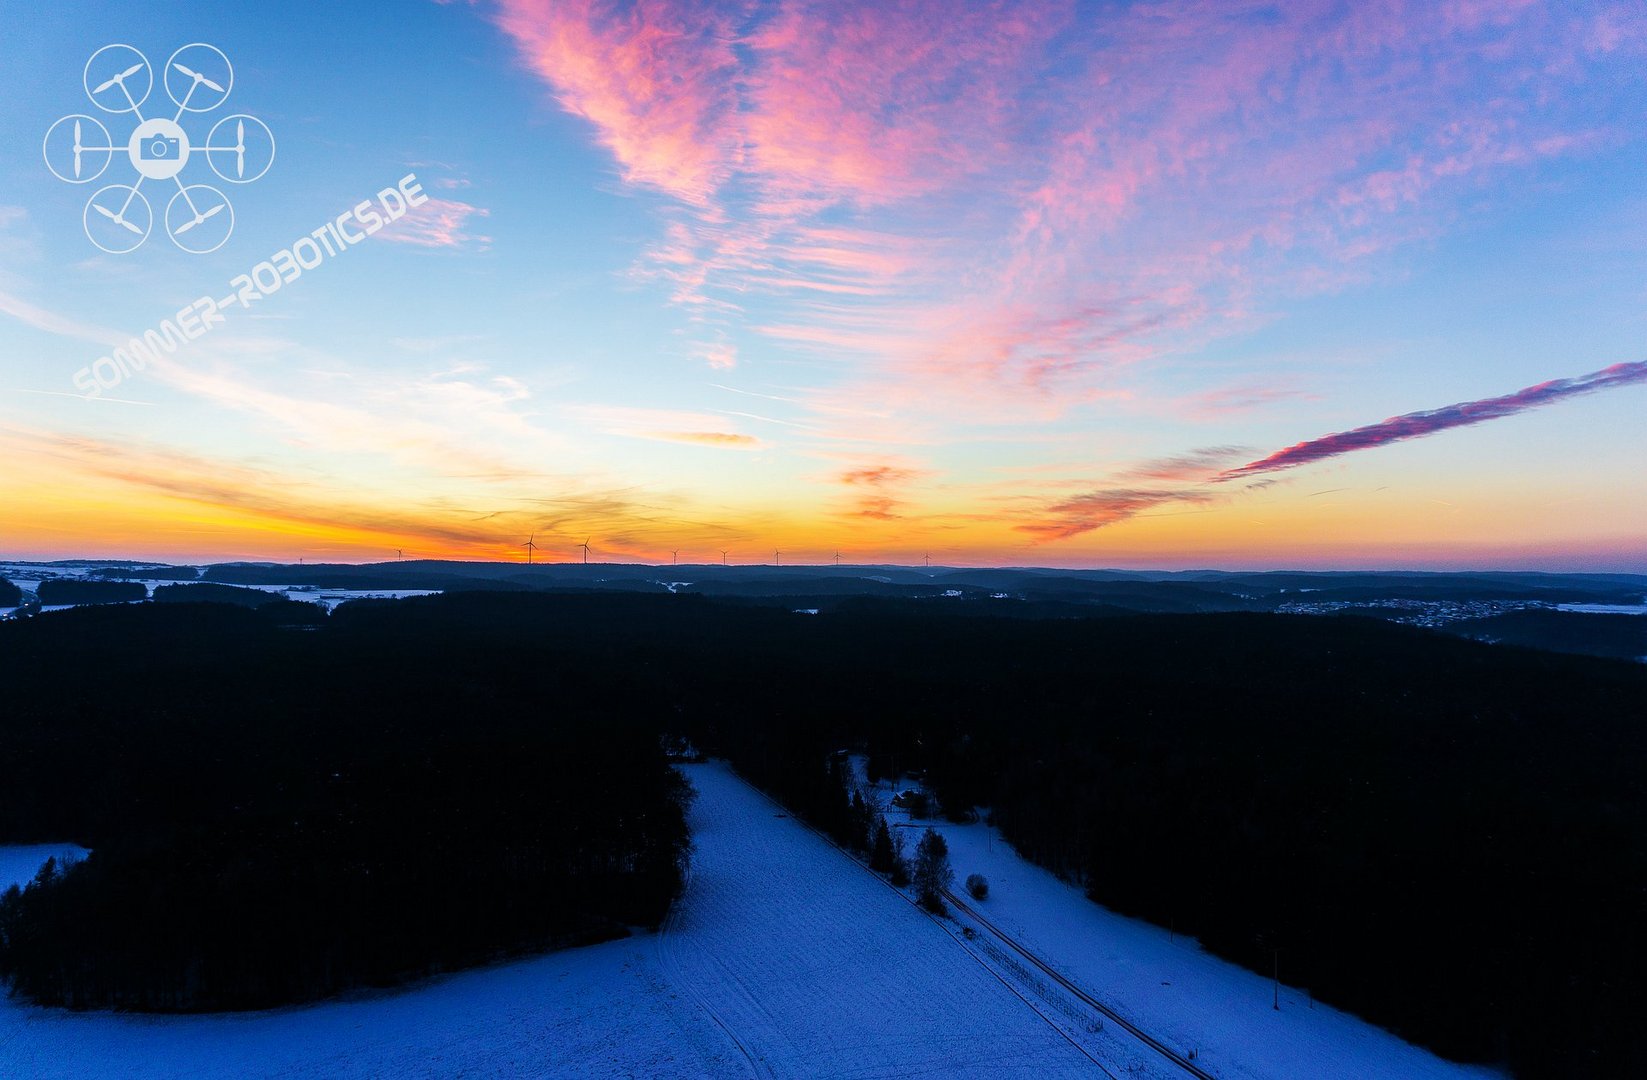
point(862, 832)
point(882, 856)
point(933, 874)
point(900, 865)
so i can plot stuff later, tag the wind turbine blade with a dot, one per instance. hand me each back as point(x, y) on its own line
point(213, 211)
point(102, 86)
point(77, 149)
point(106, 212)
point(208, 84)
point(187, 73)
point(129, 72)
point(129, 225)
point(240, 149)
point(187, 225)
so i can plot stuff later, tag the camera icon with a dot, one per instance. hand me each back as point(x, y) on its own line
point(158, 148)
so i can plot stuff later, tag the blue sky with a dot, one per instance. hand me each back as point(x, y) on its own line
point(1014, 286)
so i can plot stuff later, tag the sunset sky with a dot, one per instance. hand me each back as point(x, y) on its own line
point(1162, 284)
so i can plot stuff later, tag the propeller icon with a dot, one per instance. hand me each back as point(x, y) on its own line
point(77, 149)
point(196, 220)
point(119, 79)
point(118, 219)
point(199, 79)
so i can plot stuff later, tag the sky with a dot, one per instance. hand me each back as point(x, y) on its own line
point(1165, 284)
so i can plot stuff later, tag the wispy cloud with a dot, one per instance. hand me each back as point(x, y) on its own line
point(1106, 506)
point(726, 440)
point(1195, 465)
point(1020, 201)
point(438, 223)
point(1416, 425)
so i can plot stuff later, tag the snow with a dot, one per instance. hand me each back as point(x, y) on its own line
point(20, 862)
point(1605, 609)
point(1169, 987)
point(604, 1011)
point(785, 957)
point(821, 969)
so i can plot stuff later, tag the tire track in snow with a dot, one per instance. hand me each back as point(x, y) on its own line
point(669, 958)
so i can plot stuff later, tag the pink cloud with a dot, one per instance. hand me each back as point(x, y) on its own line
point(655, 79)
point(438, 223)
point(1108, 506)
point(1416, 425)
point(1194, 465)
point(1019, 199)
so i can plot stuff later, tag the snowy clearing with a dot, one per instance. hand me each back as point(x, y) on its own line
point(820, 969)
point(604, 1011)
point(1169, 987)
point(785, 958)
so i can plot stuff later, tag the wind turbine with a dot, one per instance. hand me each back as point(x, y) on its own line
point(775, 556)
point(677, 556)
point(531, 546)
point(723, 558)
point(399, 554)
point(585, 547)
point(929, 560)
point(837, 558)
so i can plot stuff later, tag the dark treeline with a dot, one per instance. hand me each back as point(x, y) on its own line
point(1623, 637)
point(208, 593)
point(151, 573)
point(10, 594)
point(1442, 836)
point(278, 816)
point(77, 591)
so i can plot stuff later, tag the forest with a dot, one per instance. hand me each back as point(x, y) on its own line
point(1442, 836)
point(79, 591)
point(275, 818)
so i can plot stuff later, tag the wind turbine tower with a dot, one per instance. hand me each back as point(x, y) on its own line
point(531, 546)
point(585, 547)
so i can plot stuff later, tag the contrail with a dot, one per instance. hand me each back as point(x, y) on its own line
point(1416, 425)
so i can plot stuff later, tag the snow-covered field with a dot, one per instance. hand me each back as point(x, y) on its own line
point(1169, 987)
point(784, 958)
point(605, 1011)
point(819, 969)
